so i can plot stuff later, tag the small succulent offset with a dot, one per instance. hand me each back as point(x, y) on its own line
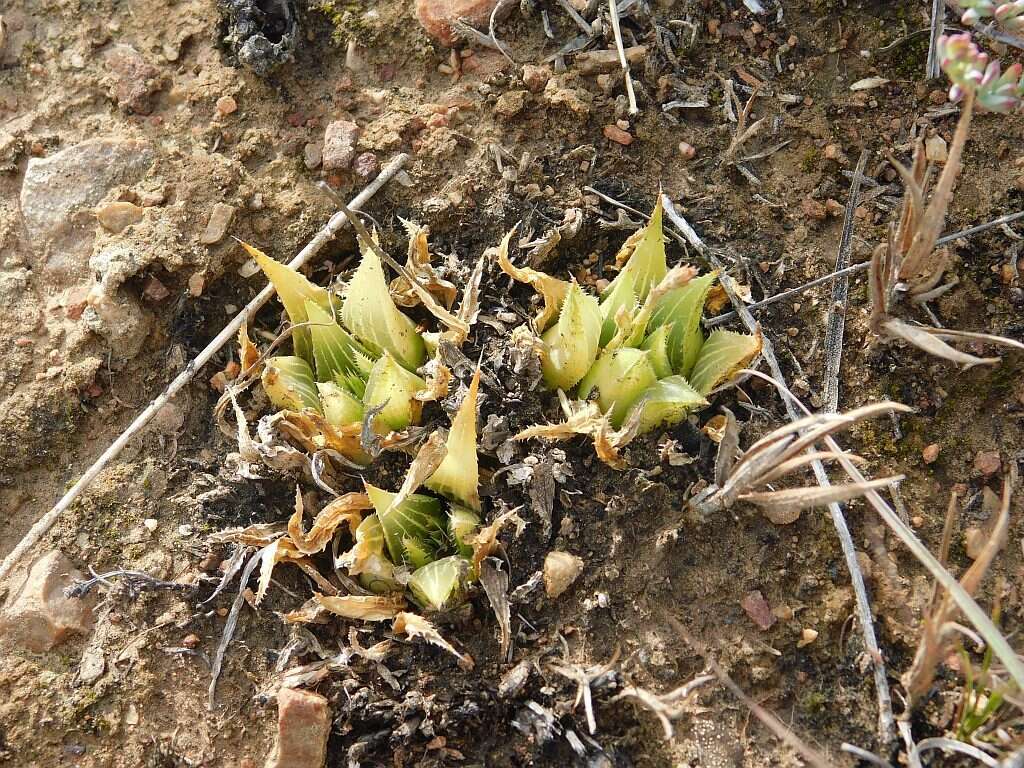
point(638, 351)
point(1009, 15)
point(908, 264)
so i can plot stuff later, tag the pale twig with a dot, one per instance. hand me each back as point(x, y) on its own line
point(724, 318)
point(953, 745)
point(836, 322)
point(932, 69)
point(617, 32)
point(980, 228)
point(974, 613)
point(337, 222)
point(885, 716)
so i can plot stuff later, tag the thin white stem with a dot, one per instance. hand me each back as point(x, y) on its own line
point(617, 31)
point(337, 222)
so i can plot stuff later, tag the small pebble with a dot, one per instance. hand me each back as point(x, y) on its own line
point(196, 283)
point(813, 209)
point(226, 105)
point(619, 136)
point(687, 151)
point(935, 149)
point(987, 462)
point(930, 453)
point(154, 290)
point(366, 166)
point(185, 530)
point(217, 226)
point(917, 521)
point(807, 636)
point(834, 208)
point(116, 217)
point(312, 155)
point(150, 523)
point(190, 641)
point(937, 97)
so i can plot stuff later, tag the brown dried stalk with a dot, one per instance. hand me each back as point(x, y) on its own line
point(908, 261)
point(777, 455)
point(936, 631)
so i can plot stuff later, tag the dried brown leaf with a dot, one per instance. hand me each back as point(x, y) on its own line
point(551, 289)
point(364, 607)
point(344, 509)
point(413, 625)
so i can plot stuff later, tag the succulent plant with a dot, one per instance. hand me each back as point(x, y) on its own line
point(1010, 15)
point(638, 350)
point(972, 72)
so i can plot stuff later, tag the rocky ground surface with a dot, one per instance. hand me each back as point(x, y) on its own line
point(138, 140)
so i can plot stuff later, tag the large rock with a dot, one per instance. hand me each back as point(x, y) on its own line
point(38, 616)
point(303, 725)
point(60, 191)
point(439, 16)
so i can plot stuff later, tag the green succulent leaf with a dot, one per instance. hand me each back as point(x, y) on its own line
point(620, 378)
point(288, 382)
point(393, 387)
point(337, 355)
point(462, 523)
point(416, 526)
point(572, 343)
point(724, 353)
point(683, 307)
point(666, 403)
point(416, 553)
point(371, 315)
point(340, 407)
point(441, 585)
point(620, 295)
point(647, 263)
point(657, 345)
point(458, 476)
point(294, 290)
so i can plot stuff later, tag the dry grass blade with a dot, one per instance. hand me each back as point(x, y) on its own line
point(953, 746)
point(362, 607)
point(925, 339)
point(229, 626)
point(414, 625)
point(667, 707)
point(933, 647)
point(495, 584)
point(783, 451)
point(783, 507)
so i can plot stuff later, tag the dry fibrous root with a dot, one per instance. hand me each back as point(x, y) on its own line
point(778, 455)
point(908, 264)
point(636, 357)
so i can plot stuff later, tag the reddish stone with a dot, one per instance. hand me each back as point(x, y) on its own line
point(758, 610)
point(303, 725)
point(987, 462)
point(135, 79)
point(38, 615)
point(339, 145)
point(619, 136)
point(439, 16)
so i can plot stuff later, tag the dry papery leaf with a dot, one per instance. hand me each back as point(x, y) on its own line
point(486, 540)
point(344, 509)
point(414, 625)
point(585, 418)
point(495, 583)
point(438, 377)
point(935, 645)
point(363, 607)
point(551, 289)
point(418, 263)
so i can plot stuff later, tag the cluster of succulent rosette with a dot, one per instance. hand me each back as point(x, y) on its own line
point(971, 71)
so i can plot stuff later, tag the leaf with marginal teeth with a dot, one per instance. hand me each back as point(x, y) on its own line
point(682, 308)
point(657, 345)
point(418, 518)
point(294, 290)
point(666, 403)
point(441, 584)
point(393, 387)
point(462, 524)
point(571, 344)
point(371, 315)
point(340, 406)
point(458, 476)
point(337, 355)
point(288, 382)
point(724, 353)
point(620, 377)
